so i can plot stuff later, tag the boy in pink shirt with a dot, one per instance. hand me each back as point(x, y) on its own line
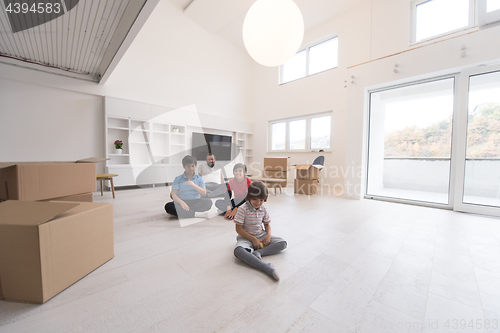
point(239, 185)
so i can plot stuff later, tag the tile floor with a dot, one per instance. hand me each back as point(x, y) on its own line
point(350, 266)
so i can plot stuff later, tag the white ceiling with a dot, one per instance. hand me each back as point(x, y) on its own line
point(83, 42)
point(225, 17)
point(89, 39)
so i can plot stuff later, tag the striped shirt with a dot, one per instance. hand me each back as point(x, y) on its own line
point(252, 218)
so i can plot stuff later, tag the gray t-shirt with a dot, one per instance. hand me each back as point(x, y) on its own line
point(210, 175)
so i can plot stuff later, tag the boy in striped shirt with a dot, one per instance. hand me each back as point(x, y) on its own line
point(254, 241)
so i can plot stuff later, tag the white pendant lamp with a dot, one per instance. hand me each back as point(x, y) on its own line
point(273, 31)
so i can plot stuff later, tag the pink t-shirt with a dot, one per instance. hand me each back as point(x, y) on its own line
point(239, 189)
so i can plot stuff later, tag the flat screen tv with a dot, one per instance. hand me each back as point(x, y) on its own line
point(219, 145)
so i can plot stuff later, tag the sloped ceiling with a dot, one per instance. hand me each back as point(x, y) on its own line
point(88, 37)
point(79, 38)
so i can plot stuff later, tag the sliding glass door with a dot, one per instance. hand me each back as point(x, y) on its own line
point(480, 164)
point(437, 142)
point(410, 141)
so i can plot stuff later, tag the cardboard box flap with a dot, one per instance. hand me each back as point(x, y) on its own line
point(307, 166)
point(301, 166)
point(7, 164)
point(92, 160)
point(31, 213)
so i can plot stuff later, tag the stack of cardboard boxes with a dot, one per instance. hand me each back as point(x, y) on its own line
point(50, 237)
point(276, 168)
point(307, 178)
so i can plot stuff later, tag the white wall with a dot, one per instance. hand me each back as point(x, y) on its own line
point(317, 93)
point(372, 38)
point(172, 62)
point(40, 123)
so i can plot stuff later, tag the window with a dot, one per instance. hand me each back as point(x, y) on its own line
point(320, 132)
point(278, 136)
point(312, 59)
point(434, 18)
point(297, 135)
point(492, 5)
point(300, 134)
point(488, 12)
point(295, 68)
point(323, 56)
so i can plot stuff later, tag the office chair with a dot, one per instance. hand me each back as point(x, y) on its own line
point(320, 160)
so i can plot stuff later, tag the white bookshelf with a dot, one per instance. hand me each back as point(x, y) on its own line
point(147, 144)
point(244, 141)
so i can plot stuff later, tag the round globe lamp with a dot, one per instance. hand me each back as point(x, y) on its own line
point(273, 31)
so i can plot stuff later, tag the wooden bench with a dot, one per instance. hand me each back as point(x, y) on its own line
point(106, 176)
point(275, 182)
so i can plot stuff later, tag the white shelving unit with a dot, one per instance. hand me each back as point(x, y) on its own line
point(244, 141)
point(152, 151)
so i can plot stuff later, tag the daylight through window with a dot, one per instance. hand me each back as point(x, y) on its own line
point(310, 60)
point(307, 133)
point(492, 5)
point(278, 136)
point(433, 18)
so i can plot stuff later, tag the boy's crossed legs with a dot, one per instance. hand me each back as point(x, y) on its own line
point(195, 205)
point(244, 251)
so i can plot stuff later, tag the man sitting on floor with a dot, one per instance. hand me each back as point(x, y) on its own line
point(212, 175)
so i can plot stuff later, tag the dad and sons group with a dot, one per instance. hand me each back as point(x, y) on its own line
point(191, 193)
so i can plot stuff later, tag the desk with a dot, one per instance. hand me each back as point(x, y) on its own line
point(274, 181)
point(106, 176)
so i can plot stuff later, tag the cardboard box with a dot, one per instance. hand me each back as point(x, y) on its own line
point(47, 246)
point(84, 197)
point(276, 163)
point(303, 186)
point(30, 181)
point(307, 171)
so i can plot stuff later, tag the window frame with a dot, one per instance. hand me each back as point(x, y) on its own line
point(287, 121)
point(306, 48)
point(484, 18)
point(413, 22)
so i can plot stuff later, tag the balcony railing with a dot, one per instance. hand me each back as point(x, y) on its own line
point(431, 174)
